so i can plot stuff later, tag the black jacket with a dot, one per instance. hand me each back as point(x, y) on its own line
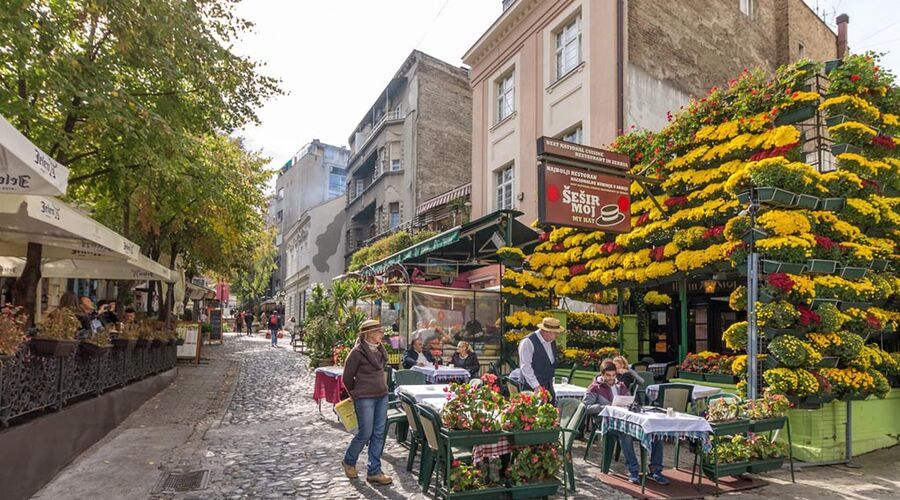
point(411, 357)
point(470, 363)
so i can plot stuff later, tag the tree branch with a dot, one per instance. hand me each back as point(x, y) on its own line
point(102, 171)
point(83, 156)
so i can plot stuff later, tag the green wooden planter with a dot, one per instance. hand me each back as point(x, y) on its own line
point(854, 398)
point(769, 424)
point(879, 265)
point(821, 266)
point(756, 234)
point(796, 115)
point(774, 266)
point(535, 490)
point(521, 437)
point(759, 466)
point(807, 201)
point(766, 297)
point(818, 302)
point(724, 470)
point(470, 438)
point(473, 494)
point(730, 428)
point(690, 375)
point(837, 149)
point(852, 273)
point(772, 333)
point(720, 378)
point(744, 197)
point(837, 120)
point(858, 305)
point(776, 196)
point(832, 204)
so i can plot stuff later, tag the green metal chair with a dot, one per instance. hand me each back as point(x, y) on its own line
point(435, 447)
point(416, 437)
point(571, 413)
point(408, 377)
point(677, 397)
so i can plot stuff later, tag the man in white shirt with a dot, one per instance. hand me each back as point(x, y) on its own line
point(537, 356)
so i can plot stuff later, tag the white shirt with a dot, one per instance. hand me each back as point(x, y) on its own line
point(422, 359)
point(526, 352)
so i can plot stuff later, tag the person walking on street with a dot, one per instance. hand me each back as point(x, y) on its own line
point(238, 322)
point(274, 324)
point(248, 318)
point(537, 357)
point(364, 380)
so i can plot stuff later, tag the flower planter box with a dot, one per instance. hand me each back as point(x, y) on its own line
point(796, 115)
point(470, 438)
point(769, 424)
point(807, 201)
point(821, 266)
point(496, 492)
point(535, 490)
point(776, 196)
point(832, 204)
point(53, 348)
point(832, 64)
point(879, 265)
point(837, 149)
point(690, 375)
point(142, 343)
point(765, 297)
point(123, 344)
point(720, 378)
point(88, 349)
point(854, 398)
point(725, 469)
point(156, 343)
point(772, 333)
point(813, 402)
point(511, 261)
point(837, 120)
point(773, 266)
point(759, 466)
point(521, 437)
point(858, 305)
point(818, 302)
point(755, 234)
point(730, 428)
point(852, 273)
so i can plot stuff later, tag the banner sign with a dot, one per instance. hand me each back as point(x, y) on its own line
point(547, 146)
point(579, 197)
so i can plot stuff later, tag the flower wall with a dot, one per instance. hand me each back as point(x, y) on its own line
point(827, 233)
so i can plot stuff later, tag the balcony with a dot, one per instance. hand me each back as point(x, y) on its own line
point(362, 139)
point(377, 175)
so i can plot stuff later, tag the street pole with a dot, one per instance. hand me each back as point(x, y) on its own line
point(752, 296)
point(682, 298)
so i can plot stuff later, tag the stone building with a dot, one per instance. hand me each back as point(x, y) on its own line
point(412, 145)
point(584, 71)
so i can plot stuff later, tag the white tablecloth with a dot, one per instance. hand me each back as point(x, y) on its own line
point(436, 403)
point(443, 374)
point(424, 392)
point(331, 371)
point(650, 426)
point(568, 391)
point(700, 392)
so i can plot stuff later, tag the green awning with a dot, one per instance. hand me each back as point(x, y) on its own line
point(421, 248)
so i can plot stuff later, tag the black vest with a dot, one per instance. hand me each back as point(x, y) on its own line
point(544, 370)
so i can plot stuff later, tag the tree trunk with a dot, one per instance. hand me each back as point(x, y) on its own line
point(25, 291)
point(166, 313)
point(124, 286)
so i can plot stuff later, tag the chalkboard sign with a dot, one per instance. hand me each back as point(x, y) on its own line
point(215, 321)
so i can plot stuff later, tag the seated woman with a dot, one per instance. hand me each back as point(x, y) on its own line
point(416, 356)
point(625, 374)
point(465, 358)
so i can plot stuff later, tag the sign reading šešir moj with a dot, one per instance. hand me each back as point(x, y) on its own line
point(580, 196)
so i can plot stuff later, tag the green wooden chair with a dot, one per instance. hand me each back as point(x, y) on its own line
point(416, 437)
point(678, 397)
point(408, 377)
point(571, 413)
point(432, 461)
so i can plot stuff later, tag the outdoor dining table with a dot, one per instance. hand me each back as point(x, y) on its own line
point(424, 393)
point(329, 385)
point(443, 374)
point(699, 392)
point(648, 427)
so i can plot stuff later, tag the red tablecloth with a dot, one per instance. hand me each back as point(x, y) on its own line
point(328, 387)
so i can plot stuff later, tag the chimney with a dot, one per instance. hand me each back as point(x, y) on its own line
point(842, 21)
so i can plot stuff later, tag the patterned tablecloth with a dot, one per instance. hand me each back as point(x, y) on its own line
point(564, 391)
point(443, 374)
point(699, 392)
point(329, 384)
point(658, 369)
point(651, 426)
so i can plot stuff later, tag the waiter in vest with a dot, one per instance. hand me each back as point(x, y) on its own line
point(537, 356)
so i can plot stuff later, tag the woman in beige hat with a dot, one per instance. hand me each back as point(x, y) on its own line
point(365, 381)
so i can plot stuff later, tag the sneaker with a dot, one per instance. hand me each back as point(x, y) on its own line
point(349, 470)
point(634, 478)
point(659, 478)
point(380, 479)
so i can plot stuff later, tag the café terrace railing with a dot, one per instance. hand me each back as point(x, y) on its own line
point(30, 384)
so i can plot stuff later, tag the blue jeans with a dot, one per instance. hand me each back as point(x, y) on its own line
point(371, 413)
point(656, 454)
point(274, 331)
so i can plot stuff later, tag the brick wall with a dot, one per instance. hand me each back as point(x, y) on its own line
point(804, 27)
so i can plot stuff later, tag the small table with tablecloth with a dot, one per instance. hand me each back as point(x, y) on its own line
point(329, 384)
point(443, 374)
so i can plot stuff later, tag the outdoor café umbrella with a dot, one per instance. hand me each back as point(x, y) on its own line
point(25, 169)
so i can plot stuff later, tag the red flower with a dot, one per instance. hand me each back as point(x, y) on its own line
point(808, 316)
point(824, 242)
point(854, 78)
point(713, 232)
point(781, 281)
point(675, 201)
point(873, 322)
point(658, 254)
point(642, 219)
point(558, 247)
point(455, 463)
point(544, 236)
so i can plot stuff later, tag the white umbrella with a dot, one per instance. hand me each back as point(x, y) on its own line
point(25, 169)
point(138, 269)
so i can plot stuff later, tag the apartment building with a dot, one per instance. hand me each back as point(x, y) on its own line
point(584, 71)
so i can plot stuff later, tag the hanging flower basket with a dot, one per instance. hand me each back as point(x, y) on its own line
point(724, 470)
point(53, 348)
point(774, 266)
point(755, 234)
point(772, 333)
point(797, 115)
point(769, 424)
point(821, 266)
point(730, 428)
point(832, 204)
point(832, 64)
point(879, 265)
point(818, 302)
point(807, 201)
point(852, 273)
point(776, 196)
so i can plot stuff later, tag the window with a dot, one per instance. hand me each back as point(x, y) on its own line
point(280, 216)
point(801, 50)
point(506, 96)
point(748, 8)
point(395, 215)
point(360, 186)
point(505, 183)
point(396, 164)
point(336, 179)
point(281, 193)
point(568, 47)
point(574, 135)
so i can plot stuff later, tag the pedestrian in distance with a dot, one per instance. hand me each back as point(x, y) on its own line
point(365, 381)
point(238, 322)
point(274, 324)
point(248, 318)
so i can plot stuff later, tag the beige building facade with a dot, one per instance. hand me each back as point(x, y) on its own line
point(585, 70)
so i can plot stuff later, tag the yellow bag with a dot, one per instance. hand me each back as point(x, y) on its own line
point(347, 414)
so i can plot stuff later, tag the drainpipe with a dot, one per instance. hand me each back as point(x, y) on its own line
point(843, 21)
point(620, 66)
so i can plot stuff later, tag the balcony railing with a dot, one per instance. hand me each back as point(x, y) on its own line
point(362, 141)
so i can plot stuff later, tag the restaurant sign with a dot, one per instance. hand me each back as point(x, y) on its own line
point(580, 196)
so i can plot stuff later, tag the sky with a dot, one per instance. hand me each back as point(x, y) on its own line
point(335, 57)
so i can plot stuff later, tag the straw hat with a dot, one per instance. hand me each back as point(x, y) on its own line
point(369, 325)
point(550, 325)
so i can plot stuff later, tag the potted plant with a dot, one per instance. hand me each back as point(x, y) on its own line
point(730, 456)
point(13, 325)
point(533, 470)
point(767, 413)
point(472, 411)
point(511, 256)
point(530, 418)
point(727, 417)
point(765, 454)
point(56, 337)
point(98, 343)
point(127, 336)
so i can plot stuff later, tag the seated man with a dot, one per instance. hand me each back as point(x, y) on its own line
point(601, 393)
point(417, 356)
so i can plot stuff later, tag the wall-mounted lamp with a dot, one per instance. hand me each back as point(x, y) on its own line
point(709, 286)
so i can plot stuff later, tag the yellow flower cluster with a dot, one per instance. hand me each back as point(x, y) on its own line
point(802, 243)
point(583, 239)
point(689, 260)
point(709, 210)
point(524, 319)
point(784, 222)
point(655, 298)
point(691, 179)
point(801, 97)
point(865, 209)
point(511, 252)
point(846, 230)
point(515, 336)
point(853, 130)
point(890, 120)
point(859, 105)
point(593, 320)
point(848, 380)
point(525, 279)
point(863, 166)
point(862, 290)
point(797, 382)
point(511, 290)
point(772, 138)
point(714, 190)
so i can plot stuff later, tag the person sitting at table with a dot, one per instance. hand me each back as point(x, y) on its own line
point(601, 393)
point(625, 374)
point(465, 358)
point(538, 355)
point(416, 356)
